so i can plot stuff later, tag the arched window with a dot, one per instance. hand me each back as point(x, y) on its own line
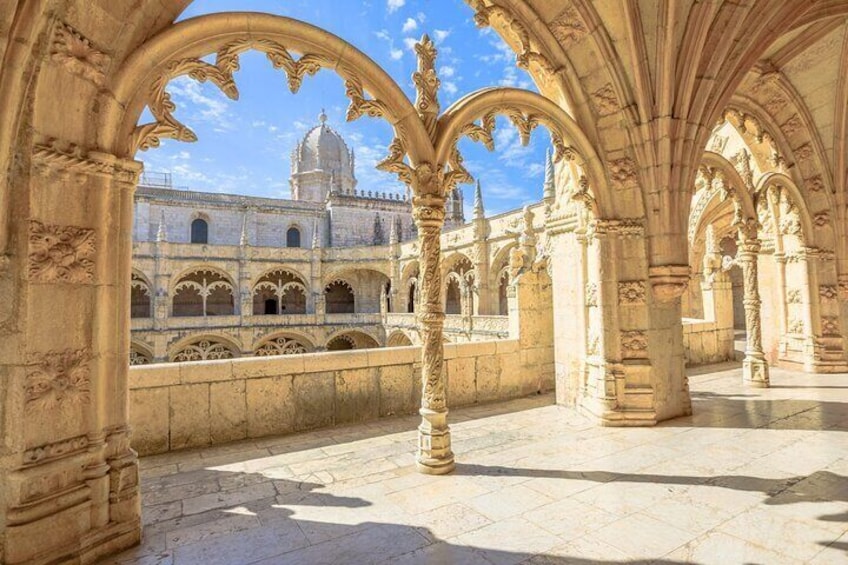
point(199, 231)
point(293, 237)
point(339, 298)
point(410, 303)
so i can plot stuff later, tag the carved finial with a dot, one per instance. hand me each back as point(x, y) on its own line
point(160, 233)
point(479, 211)
point(427, 84)
point(316, 238)
point(548, 190)
point(393, 234)
point(244, 241)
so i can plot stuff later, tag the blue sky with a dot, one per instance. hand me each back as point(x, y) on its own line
point(244, 146)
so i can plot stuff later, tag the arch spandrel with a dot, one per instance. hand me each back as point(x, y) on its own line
point(238, 32)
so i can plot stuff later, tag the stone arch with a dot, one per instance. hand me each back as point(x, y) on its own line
point(410, 287)
point(340, 342)
point(203, 292)
point(140, 353)
point(398, 338)
point(283, 343)
point(359, 338)
point(526, 110)
point(178, 51)
point(340, 297)
point(141, 295)
point(204, 348)
point(367, 284)
point(279, 291)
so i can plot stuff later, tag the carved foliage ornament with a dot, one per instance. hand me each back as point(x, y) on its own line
point(58, 379)
point(221, 74)
point(280, 346)
point(202, 351)
point(486, 14)
point(60, 253)
point(76, 53)
point(631, 292)
point(634, 343)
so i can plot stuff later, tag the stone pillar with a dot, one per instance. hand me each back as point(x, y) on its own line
point(434, 446)
point(754, 367)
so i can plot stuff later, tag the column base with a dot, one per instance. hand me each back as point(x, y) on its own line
point(755, 371)
point(434, 444)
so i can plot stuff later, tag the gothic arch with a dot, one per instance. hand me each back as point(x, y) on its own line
point(200, 267)
point(398, 338)
point(140, 353)
point(204, 347)
point(178, 50)
point(283, 343)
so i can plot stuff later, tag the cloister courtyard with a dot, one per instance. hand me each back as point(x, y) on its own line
point(755, 476)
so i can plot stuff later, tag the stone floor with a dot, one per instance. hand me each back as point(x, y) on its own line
point(755, 476)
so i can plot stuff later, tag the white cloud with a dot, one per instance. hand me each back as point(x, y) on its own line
point(440, 35)
point(447, 71)
point(383, 34)
point(450, 87)
point(410, 42)
point(395, 54)
point(394, 5)
point(409, 25)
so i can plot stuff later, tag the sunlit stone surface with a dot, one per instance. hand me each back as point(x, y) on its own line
point(756, 476)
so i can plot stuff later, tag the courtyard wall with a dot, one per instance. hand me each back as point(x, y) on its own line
point(195, 404)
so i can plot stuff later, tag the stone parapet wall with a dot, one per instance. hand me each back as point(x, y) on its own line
point(706, 342)
point(182, 405)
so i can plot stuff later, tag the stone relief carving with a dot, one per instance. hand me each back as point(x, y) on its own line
point(830, 326)
point(591, 294)
point(57, 379)
point(828, 292)
point(527, 55)
point(796, 326)
point(821, 219)
point(56, 450)
point(568, 27)
point(793, 296)
point(221, 74)
point(632, 292)
point(804, 153)
point(76, 53)
point(203, 350)
point(634, 343)
point(623, 172)
point(426, 84)
point(792, 125)
point(138, 358)
point(280, 346)
point(814, 184)
point(605, 100)
point(60, 253)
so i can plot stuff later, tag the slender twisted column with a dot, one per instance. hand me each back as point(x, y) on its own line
point(754, 367)
point(434, 446)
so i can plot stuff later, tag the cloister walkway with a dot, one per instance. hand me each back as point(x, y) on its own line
point(755, 476)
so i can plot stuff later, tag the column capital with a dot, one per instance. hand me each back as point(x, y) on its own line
point(669, 282)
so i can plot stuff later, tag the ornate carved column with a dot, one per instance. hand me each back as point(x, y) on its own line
point(754, 367)
point(434, 445)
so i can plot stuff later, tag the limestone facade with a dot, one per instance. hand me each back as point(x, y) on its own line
point(742, 137)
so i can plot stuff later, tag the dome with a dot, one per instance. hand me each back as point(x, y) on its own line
point(324, 149)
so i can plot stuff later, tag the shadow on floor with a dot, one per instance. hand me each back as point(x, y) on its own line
point(235, 527)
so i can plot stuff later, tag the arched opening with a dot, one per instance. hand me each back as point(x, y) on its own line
point(203, 293)
point(453, 297)
point(412, 297)
point(140, 303)
point(398, 339)
point(199, 231)
point(293, 237)
point(204, 349)
point(339, 298)
point(341, 343)
point(503, 288)
point(279, 292)
point(282, 345)
point(140, 355)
